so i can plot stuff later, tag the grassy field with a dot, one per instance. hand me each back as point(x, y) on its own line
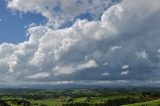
point(47, 102)
point(91, 101)
point(149, 103)
point(64, 100)
point(80, 97)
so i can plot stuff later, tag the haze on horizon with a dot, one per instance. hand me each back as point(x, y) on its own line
point(95, 42)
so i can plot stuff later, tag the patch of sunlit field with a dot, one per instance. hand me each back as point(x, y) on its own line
point(149, 103)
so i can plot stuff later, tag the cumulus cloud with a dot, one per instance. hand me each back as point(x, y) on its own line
point(124, 72)
point(58, 11)
point(83, 51)
point(113, 48)
point(158, 50)
point(105, 64)
point(63, 70)
point(142, 54)
point(124, 67)
point(105, 74)
point(38, 75)
point(89, 64)
point(71, 69)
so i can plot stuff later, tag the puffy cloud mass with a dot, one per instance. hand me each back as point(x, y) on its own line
point(120, 43)
point(59, 11)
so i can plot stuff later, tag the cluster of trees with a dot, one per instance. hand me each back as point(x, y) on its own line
point(20, 102)
point(3, 103)
point(153, 94)
point(77, 104)
point(15, 102)
point(119, 102)
point(111, 102)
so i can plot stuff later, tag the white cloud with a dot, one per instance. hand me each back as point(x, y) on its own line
point(125, 72)
point(124, 67)
point(71, 69)
point(113, 48)
point(64, 70)
point(105, 64)
point(89, 64)
point(142, 54)
point(105, 74)
point(39, 75)
point(158, 50)
point(57, 11)
point(84, 45)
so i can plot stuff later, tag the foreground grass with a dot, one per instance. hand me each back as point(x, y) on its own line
point(80, 97)
point(63, 100)
point(149, 103)
point(44, 102)
point(47, 102)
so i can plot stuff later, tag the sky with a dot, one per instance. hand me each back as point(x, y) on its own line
point(96, 42)
point(11, 34)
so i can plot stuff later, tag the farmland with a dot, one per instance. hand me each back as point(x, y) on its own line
point(80, 97)
point(149, 103)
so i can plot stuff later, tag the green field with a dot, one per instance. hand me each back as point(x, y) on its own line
point(149, 103)
point(92, 101)
point(80, 97)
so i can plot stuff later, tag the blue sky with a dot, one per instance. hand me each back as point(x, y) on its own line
point(14, 24)
point(13, 27)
